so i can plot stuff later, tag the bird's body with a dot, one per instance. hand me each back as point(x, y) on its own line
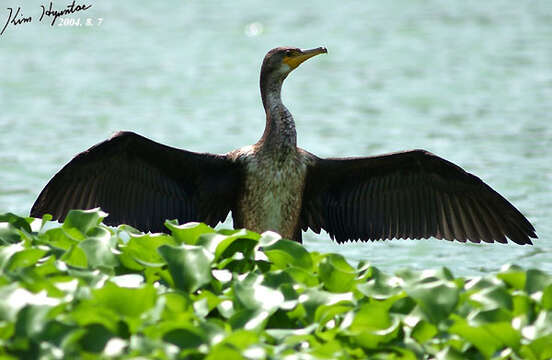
point(270, 196)
point(274, 185)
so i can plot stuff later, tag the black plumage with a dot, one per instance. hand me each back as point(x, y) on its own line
point(273, 185)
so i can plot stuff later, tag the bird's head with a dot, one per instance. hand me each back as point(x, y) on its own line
point(279, 62)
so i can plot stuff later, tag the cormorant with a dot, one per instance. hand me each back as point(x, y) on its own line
point(274, 185)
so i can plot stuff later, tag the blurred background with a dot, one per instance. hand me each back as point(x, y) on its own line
point(470, 81)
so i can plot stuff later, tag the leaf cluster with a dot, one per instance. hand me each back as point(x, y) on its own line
point(84, 290)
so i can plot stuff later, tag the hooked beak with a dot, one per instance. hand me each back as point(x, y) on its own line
point(296, 59)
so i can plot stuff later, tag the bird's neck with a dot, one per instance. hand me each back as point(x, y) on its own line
point(279, 133)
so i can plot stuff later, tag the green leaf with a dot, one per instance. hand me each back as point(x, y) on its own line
point(83, 290)
point(381, 286)
point(513, 276)
point(79, 222)
point(373, 325)
point(224, 351)
point(98, 253)
point(17, 222)
point(484, 340)
point(188, 233)
point(241, 241)
point(284, 253)
point(124, 301)
point(424, 331)
point(95, 338)
point(6, 252)
point(57, 237)
point(547, 298)
point(143, 248)
point(538, 349)
point(75, 257)
point(11, 227)
point(25, 258)
point(336, 274)
point(30, 320)
point(186, 337)
point(436, 299)
point(493, 297)
point(252, 295)
point(311, 299)
point(190, 266)
point(537, 280)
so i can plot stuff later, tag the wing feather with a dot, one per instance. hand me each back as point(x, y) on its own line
point(142, 183)
point(412, 194)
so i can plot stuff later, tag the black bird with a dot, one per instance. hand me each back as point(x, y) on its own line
point(274, 185)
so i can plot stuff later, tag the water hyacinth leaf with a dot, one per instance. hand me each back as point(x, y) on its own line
point(83, 221)
point(537, 280)
point(186, 337)
point(523, 305)
point(284, 334)
point(373, 325)
point(538, 349)
point(242, 339)
point(10, 227)
point(332, 349)
point(336, 274)
point(124, 300)
point(254, 296)
point(424, 331)
point(430, 275)
point(58, 237)
point(284, 253)
point(75, 257)
point(495, 315)
point(189, 266)
point(547, 298)
point(55, 332)
point(493, 297)
point(188, 233)
point(96, 338)
point(436, 299)
point(513, 276)
point(504, 332)
point(210, 241)
point(225, 352)
point(325, 313)
point(484, 340)
point(175, 305)
point(311, 299)
point(450, 353)
point(240, 241)
point(16, 221)
point(249, 319)
point(143, 248)
point(8, 234)
point(302, 276)
point(268, 238)
point(98, 253)
point(25, 258)
point(277, 279)
point(30, 320)
point(183, 303)
point(6, 252)
point(381, 286)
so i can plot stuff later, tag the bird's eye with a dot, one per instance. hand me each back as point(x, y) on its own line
point(288, 52)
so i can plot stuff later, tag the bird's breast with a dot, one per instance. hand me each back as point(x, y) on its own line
point(272, 193)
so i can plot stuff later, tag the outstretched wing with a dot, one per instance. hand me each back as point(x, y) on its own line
point(142, 183)
point(412, 194)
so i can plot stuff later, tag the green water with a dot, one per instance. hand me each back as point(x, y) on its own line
point(470, 81)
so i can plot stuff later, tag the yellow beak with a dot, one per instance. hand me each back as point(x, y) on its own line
point(296, 59)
